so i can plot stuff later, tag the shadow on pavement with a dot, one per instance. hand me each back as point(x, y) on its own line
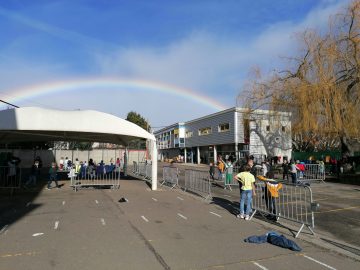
point(19, 204)
point(230, 206)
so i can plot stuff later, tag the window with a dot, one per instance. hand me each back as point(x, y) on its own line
point(204, 131)
point(283, 128)
point(224, 127)
point(188, 134)
point(267, 128)
point(182, 140)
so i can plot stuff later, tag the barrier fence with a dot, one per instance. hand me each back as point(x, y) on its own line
point(10, 177)
point(312, 173)
point(198, 182)
point(289, 202)
point(170, 176)
point(95, 178)
point(141, 169)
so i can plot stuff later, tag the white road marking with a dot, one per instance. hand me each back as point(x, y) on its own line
point(323, 264)
point(103, 222)
point(180, 215)
point(215, 214)
point(28, 204)
point(96, 201)
point(181, 199)
point(63, 202)
point(144, 218)
point(154, 199)
point(260, 266)
point(37, 234)
point(4, 229)
point(56, 225)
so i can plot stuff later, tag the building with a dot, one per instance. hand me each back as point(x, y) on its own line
point(233, 133)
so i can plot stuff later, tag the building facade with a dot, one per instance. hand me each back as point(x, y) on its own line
point(233, 133)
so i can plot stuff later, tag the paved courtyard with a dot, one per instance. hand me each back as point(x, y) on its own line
point(164, 229)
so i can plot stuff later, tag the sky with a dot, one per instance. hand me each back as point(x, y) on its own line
point(169, 60)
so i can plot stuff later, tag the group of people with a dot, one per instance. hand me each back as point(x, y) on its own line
point(246, 179)
point(77, 168)
point(225, 170)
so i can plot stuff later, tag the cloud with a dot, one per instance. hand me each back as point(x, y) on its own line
point(212, 64)
point(203, 61)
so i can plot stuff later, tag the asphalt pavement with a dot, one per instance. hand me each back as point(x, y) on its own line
point(164, 229)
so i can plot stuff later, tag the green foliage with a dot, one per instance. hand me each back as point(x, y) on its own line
point(138, 120)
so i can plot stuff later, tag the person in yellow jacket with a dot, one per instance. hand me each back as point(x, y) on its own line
point(271, 193)
point(221, 168)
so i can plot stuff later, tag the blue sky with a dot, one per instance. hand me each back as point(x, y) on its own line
point(208, 46)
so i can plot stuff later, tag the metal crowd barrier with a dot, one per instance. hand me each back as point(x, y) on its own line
point(94, 178)
point(148, 171)
point(10, 178)
point(142, 169)
point(135, 168)
point(312, 173)
point(170, 176)
point(294, 203)
point(198, 182)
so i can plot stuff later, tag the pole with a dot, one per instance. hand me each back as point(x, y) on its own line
point(154, 166)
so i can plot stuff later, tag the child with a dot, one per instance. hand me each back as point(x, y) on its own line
point(52, 175)
point(229, 173)
point(212, 171)
point(247, 191)
point(271, 192)
point(221, 167)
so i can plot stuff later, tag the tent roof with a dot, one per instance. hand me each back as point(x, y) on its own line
point(39, 124)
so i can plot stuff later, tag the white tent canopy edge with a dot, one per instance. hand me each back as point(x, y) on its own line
point(40, 124)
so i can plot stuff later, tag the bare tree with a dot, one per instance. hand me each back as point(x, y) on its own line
point(321, 86)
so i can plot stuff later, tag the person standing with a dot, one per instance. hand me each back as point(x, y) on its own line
point(52, 176)
point(34, 172)
point(221, 168)
point(293, 171)
point(285, 167)
point(247, 191)
point(212, 171)
point(264, 168)
point(229, 173)
point(61, 163)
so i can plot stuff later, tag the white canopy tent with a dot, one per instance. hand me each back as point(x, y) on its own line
point(39, 124)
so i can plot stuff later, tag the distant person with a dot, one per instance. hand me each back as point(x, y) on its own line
point(61, 163)
point(285, 167)
point(212, 171)
point(34, 172)
point(293, 172)
point(117, 163)
point(229, 169)
point(247, 181)
point(52, 176)
point(11, 174)
point(66, 161)
point(221, 168)
point(264, 168)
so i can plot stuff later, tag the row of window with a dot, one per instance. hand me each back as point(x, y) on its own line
point(208, 130)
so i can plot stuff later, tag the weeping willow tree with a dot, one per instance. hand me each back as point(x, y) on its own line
point(320, 87)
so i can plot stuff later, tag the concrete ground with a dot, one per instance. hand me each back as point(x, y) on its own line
point(164, 229)
point(337, 220)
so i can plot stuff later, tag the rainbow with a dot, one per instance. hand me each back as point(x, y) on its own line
point(33, 91)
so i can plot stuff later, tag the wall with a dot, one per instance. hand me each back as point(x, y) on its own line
point(215, 137)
